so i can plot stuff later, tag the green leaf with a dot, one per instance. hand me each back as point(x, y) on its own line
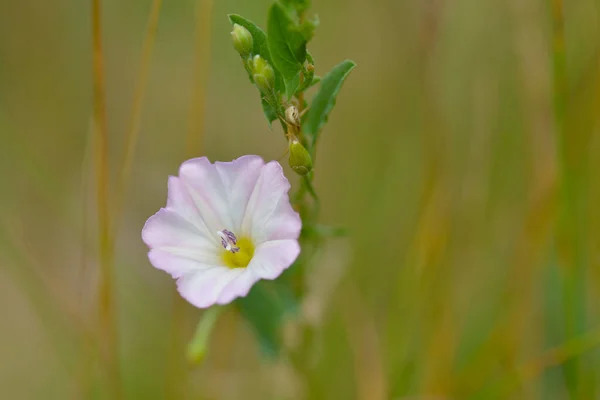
point(316, 79)
point(269, 110)
point(292, 86)
point(287, 46)
point(265, 308)
point(298, 5)
point(260, 46)
point(325, 99)
point(309, 74)
point(307, 28)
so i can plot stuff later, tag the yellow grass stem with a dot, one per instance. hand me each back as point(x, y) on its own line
point(107, 329)
point(133, 129)
point(195, 132)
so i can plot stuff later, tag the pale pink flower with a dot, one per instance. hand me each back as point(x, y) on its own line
point(226, 226)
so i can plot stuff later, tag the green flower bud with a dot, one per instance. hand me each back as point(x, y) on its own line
point(242, 40)
point(300, 161)
point(263, 74)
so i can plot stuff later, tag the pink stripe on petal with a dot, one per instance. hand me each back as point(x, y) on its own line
point(206, 190)
point(239, 178)
point(179, 201)
point(271, 188)
point(284, 223)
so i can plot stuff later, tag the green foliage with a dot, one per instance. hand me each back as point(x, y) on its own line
point(325, 99)
point(260, 47)
point(307, 28)
point(309, 74)
point(287, 46)
point(297, 5)
point(265, 308)
point(284, 48)
point(269, 110)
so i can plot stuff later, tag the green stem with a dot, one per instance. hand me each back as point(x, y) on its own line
point(531, 370)
point(570, 234)
point(199, 343)
point(307, 183)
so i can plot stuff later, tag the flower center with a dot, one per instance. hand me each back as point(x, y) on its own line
point(237, 253)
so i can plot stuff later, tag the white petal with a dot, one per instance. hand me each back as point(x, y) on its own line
point(214, 286)
point(175, 265)
point(195, 287)
point(272, 258)
point(206, 190)
point(284, 223)
point(238, 287)
point(179, 201)
point(167, 228)
point(239, 178)
point(271, 188)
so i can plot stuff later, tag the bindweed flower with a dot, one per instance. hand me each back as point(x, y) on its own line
point(226, 226)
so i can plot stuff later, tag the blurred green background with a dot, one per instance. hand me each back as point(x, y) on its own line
point(474, 239)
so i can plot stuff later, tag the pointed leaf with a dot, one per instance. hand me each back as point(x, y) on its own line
point(269, 111)
point(325, 99)
point(292, 85)
point(287, 46)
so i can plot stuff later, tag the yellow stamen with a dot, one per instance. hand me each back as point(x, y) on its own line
point(242, 258)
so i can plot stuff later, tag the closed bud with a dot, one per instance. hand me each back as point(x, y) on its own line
point(300, 161)
point(263, 74)
point(262, 83)
point(242, 40)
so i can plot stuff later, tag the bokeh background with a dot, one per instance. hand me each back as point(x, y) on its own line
point(474, 232)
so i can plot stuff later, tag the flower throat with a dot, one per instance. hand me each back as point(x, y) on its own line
point(237, 253)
